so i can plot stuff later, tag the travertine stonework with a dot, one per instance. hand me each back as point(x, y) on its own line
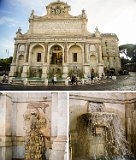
point(121, 104)
point(33, 126)
point(59, 43)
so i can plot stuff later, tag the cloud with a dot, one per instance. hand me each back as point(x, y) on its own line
point(37, 5)
point(7, 44)
point(8, 21)
point(111, 16)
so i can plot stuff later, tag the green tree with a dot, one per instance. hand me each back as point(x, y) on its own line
point(130, 51)
point(5, 64)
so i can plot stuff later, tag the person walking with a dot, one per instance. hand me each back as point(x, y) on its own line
point(55, 79)
point(72, 80)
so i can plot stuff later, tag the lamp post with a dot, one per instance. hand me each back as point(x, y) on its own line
point(6, 65)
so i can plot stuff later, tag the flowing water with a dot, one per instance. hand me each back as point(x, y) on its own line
point(101, 136)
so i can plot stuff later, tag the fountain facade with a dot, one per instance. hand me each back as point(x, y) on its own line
point(100, 134)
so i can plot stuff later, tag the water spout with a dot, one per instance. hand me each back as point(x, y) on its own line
point(101, 135)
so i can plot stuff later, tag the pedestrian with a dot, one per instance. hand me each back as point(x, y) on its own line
point(55, 79)
point(75, 80)
point(72, 80)
point(3, 78)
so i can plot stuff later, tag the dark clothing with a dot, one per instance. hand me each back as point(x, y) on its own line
point(72, 80)
point(53, 81)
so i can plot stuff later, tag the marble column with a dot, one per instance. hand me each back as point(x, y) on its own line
point(5, 127)
point(86, 65)
point(85, 52)
point(65, 65)
point(60, 124)
point(54, 115)
point(15, 53)
point(45, 65)
point(27, 52)
point(100, 54)
point(25, 66)
point(65, 52)
point(46, 52)
point(100, 61)
point(62, 114)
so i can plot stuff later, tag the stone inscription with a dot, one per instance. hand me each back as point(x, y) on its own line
point(58, 27)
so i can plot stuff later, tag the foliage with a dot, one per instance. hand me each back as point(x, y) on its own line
point(131, 51)
point(55, 71)
point(124, 62)
point(5, 64)
point(78, 72)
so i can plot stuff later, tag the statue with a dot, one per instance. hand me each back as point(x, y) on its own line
point(97, 32)
point(18, 33)
point(32, 13)
point(96, 29)
point(83, 13)
point(19, 30)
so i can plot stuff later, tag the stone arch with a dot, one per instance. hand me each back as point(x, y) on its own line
point(36, 44)
point(75, 49)
point(56, 55)
point(20, 60)
point(53, 44)
point(37, 53)
point(78, 44)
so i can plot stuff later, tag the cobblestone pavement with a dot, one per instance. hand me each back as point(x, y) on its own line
point(123, 83)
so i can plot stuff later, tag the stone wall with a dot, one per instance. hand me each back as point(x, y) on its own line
point(131, 121)
point(5, 127)
point(16, 110)
point(123, 104)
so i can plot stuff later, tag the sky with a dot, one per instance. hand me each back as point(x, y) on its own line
point(110, 16)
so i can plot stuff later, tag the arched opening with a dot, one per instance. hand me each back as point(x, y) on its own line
point(75, 54)
point(37, 54)
point(56, 55)
point(20, 60)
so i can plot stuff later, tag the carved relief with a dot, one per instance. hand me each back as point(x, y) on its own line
point(95, 107)
point(35, 124)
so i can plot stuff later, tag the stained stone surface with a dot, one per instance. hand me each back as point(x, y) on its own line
point(121, 104)
point(29, 126)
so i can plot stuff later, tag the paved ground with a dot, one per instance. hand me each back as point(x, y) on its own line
point(123, 83)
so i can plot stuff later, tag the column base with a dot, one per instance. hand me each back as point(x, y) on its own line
point(100, 70)
point(86, 70)
point(25, 72)
point(65, 71)
point(58, 148)
point(6, 148)
point(13, 69)
point(44, 71)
